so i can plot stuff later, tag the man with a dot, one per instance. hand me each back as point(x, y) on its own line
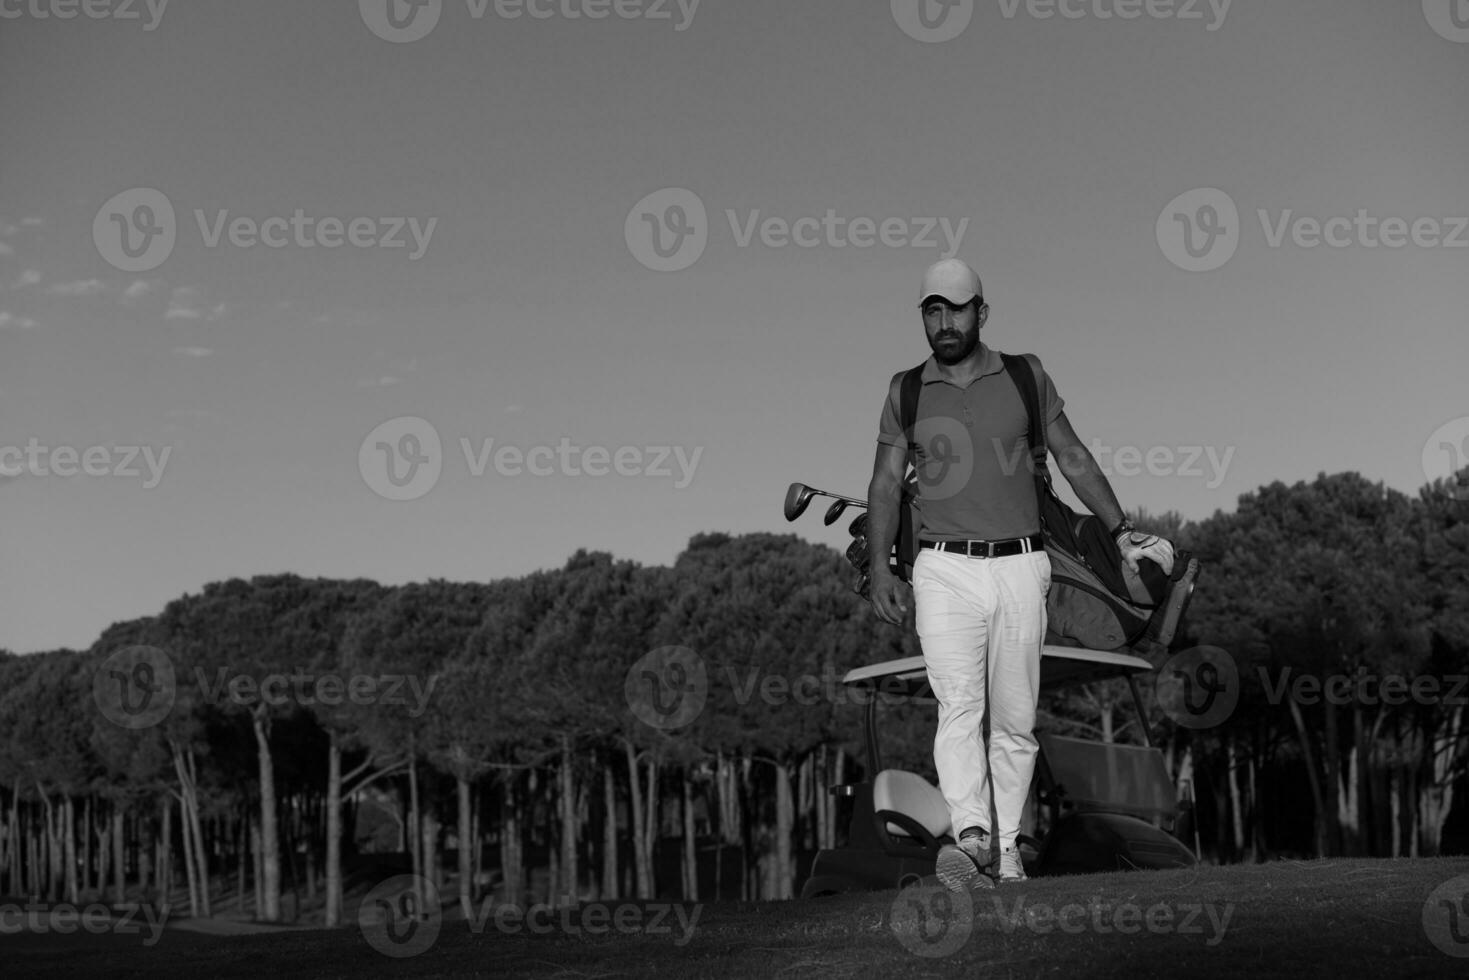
point(980, 579)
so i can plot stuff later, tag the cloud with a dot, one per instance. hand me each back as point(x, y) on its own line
point(79, 287)
point(385, 381)
point(183, 304)
point(193, 351)
point(139, 289)
point(29, 277)
point(32, 222)
point(9, 321)
point(187, 303)
point(6, 249)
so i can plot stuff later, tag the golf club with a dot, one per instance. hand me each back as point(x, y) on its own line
point(798, 498)
point(834, 513)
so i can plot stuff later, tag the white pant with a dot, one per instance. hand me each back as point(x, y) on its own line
point(973, 614)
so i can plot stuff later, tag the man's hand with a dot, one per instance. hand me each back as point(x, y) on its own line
point(1135, 544)
point(889, 595)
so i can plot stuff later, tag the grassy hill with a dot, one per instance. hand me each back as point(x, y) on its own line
point(1285, 919)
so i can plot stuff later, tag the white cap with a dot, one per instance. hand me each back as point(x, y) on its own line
point(952, 280)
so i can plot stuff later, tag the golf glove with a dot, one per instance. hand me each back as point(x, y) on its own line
point(1135, 545)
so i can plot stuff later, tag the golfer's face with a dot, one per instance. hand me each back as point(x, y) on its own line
point(952, 330)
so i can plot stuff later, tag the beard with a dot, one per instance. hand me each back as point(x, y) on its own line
point(950, 353)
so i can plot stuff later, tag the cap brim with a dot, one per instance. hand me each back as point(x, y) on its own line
point(948, 299)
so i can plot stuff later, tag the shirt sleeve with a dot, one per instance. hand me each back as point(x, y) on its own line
point(889, 431)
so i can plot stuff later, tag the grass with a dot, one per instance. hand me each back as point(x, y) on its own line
point(1285, 919)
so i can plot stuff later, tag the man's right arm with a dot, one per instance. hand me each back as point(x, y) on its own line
point(884, 496)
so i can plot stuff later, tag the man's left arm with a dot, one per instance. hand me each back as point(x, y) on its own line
point(1095, 492)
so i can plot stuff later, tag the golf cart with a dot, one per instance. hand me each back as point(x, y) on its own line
point(1111, 806)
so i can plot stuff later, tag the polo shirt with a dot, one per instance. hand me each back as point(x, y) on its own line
point(973, 458)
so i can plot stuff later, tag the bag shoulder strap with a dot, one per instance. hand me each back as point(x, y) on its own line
point(1022, 372)
point(908, 392)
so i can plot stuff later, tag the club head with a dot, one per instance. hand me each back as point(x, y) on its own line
point(834, 513)
point(858, 527)
point(798, 498)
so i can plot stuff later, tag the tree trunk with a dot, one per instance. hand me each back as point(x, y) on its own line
point(511, 856)
point(466, 848)
point(414, 830)
point(1312, 776)
point(334, 833)
point(609, 834)
point(639, 824)
point(69, 849)
point(1331, 755)
point(190, 857)
point(165, 856)
point(785, 863)
point(652, 826)
point(690, 848)
point(270, 841)
point(567, 888)
point(119, 859)
point(1236, 808)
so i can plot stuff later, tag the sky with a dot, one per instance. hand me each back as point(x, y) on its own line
point(256, 259)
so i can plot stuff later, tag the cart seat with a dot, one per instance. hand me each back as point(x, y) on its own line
point(898, 791)
point(1103, 776)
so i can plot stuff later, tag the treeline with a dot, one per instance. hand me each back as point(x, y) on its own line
point(499, 734)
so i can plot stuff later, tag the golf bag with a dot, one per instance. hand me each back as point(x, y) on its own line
point(1095, 600)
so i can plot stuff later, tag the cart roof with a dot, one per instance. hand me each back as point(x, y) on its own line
point(1060, 667)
